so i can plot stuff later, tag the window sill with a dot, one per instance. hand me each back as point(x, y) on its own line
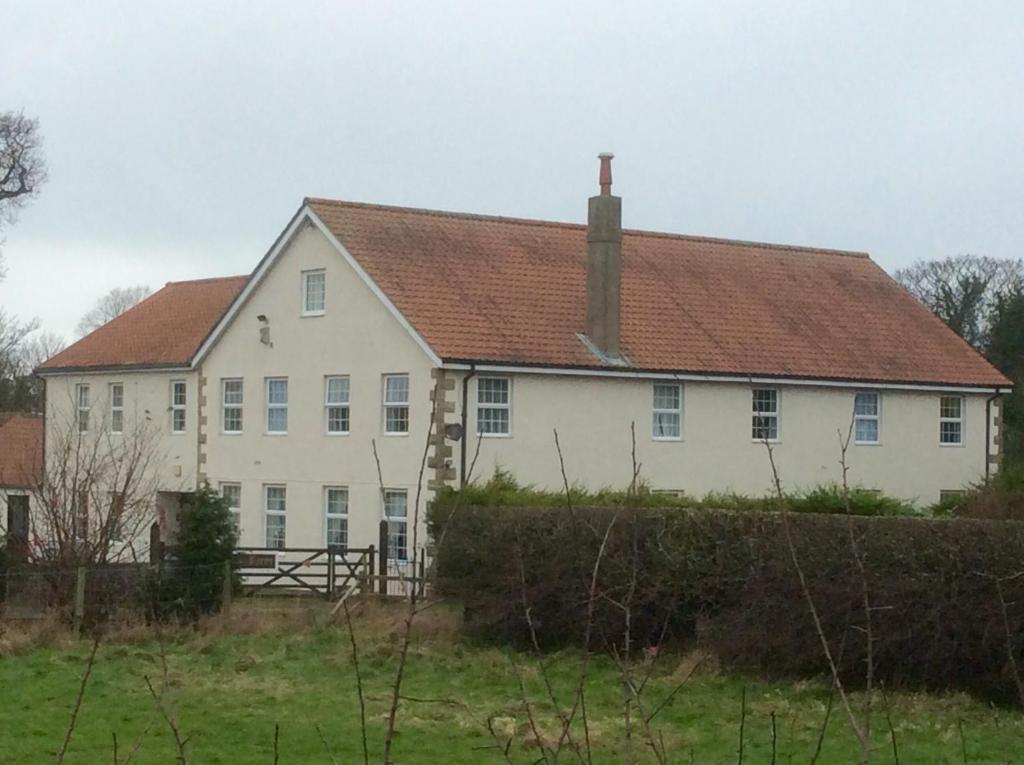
point(231, 432)
point(177, 432)
point(953, 446)
point(275, 433)
point(396, 435)
point(762, 441)
point(867, 443)
point(667, 439)
point(494, 435)
point(337, 433)
point(311, 314)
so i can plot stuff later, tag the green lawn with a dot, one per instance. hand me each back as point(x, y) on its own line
point(228, 691)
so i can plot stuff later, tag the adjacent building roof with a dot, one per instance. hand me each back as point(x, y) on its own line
point(512, 291)
point(21, 450)
point(164, 330)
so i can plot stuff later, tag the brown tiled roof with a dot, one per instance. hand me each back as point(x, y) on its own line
point(21, 450)
point(165, 329)
point(512, 291)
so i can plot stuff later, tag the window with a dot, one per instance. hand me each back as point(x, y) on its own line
point(668, 411)
point(336, 502)
point(82, 402)
point(276, 501)
point(178, 400)
point(231, 398)
point(951, 496)
point(951, 420)
point(493, 397)
point(80, 515)
point(336, 404)
point(115, 517)
point(396, 404)
point(232, 492)
point(314, 292)
point(765, 423)
point(116, 408)
point(865, 418)
point(277, 405)
point(17, 517)
point(395, 513)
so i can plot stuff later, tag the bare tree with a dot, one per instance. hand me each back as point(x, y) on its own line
point(94, 498)
point(110, 306)
point(22, 169)
point(964, 290)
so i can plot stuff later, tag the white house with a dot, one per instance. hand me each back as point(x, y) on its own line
point(364, 323)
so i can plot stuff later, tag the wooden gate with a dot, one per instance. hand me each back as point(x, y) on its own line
point(327, 572)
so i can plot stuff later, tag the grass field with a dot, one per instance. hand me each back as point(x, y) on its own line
point(230, 684)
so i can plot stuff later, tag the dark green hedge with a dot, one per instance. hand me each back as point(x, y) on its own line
point(726, 581)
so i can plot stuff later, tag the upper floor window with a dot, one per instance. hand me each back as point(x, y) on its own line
point(116, 408)
point(232, 396)
point(951, 420)
point(765, 420)
point(232, 493)
point(494, 401)
point(865, 417)
point(178, 400)
point(668, 411)
point(396, 513)
point(314, 292)
point(396, 404)
point(336, 404)
point(336, 506)
point(277, 404)
point(276, 505)
point(83, 407)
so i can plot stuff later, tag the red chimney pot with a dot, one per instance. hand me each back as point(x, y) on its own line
point(605, 178)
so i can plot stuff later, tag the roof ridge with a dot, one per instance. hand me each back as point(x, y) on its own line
point(582, 226)
point(207, 279)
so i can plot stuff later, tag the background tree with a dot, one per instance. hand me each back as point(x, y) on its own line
point(110, 306)
point(22, 168)
point(1006, 350)
point(964, 291)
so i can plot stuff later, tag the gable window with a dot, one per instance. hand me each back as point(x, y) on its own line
point(178, 401)
point(336, 506)
point(668, 412)
point(276, 504)
point(277, 404)
point(336, 404)
point(396, 514)
point(494, 399)
point(765, 419)
point(314, 292)
point(82, 402)
point(396, 404)
point(231, 399)
point(951, 420)
point(232, 493)
point(116, 408)
point(865, 417)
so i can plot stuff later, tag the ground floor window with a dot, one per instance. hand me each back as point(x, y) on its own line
point(232, 493)
point(396, 513)
point(276, 504)
point(336, 502)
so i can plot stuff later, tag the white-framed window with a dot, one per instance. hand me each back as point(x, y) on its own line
point(765, 415)
point(314, 292)
point(276, 504)
point(866, 414)
point(336, 412)
point(396, 404)
point(667, 420)
point(336, 509)
point(494, 406)
point(179, 398)
point(951, 420)
point(116, 407)
point(232, 397)
point(396, 513)
point(83, 407)
point(232, 493)
point(277, 404)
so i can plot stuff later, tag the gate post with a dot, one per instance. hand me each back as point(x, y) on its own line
point(382, 583)
point(330, 570)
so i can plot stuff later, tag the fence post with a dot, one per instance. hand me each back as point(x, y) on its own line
point(422, 584)
point(225, 600)
point(382, 585)
point(156, 544)
point(371, 569)
point(330, 570)
point(80, 598)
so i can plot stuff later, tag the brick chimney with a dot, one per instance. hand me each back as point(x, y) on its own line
point(604, 265)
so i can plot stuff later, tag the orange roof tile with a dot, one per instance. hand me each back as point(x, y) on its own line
point(21, 450)
point(507, 290)
point(165, 329)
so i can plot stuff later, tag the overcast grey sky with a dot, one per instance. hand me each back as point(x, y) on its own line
point(182, 136)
